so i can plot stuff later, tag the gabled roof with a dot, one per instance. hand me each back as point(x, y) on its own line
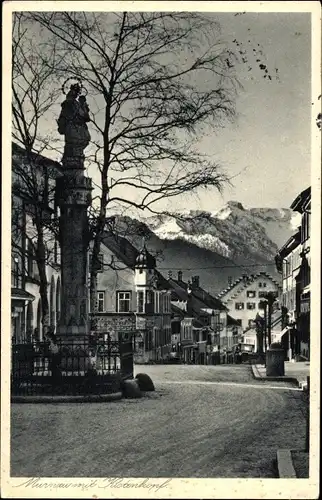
point(203, 297)
point(300, 201)
point(128, 254)
point(178, 311)
point(121, 247)
point(18, 151)
point(291, 243)
point(246, 280)
point(200, 299)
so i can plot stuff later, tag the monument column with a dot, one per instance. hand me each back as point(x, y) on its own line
point(73, 194)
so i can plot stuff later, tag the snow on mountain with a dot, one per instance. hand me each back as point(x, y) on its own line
point(170, 230)
point(217, 245)
point(248, 236)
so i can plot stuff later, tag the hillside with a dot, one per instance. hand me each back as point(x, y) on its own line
point(214, 245)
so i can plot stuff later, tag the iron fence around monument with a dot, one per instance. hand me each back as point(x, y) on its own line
point(70, 367)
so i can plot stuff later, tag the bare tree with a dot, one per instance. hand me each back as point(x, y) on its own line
point(33, 95)
point(156, 83)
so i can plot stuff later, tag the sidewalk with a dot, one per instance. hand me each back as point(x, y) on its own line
point(290, 463)
point(296, 372)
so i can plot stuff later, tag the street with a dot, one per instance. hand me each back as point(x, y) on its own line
point(189, 427)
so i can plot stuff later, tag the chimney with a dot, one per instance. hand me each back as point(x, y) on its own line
point(169, 275)
point(179, 275)
point(195, 282)
point(230, 280)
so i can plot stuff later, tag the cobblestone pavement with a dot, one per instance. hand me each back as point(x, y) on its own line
point(184, 429)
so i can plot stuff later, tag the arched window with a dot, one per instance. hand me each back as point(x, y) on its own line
point(52, 300)
point(58, 308)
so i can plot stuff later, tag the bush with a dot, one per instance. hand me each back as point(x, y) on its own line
point(145, 382)
point(131, 389)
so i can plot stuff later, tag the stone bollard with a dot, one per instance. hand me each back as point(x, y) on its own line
point(275, 365)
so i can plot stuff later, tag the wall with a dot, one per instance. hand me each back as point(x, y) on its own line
point(120, 278)
point(245, 315)
point(292, 262)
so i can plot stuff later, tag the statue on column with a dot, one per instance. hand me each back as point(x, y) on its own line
point(72, 122)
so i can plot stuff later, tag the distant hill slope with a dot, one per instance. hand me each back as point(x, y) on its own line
point(214, 245)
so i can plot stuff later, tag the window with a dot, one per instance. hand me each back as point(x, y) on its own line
point(149, 297)
point(157, 302)
point(239, 305)
point(16, 272)
point(124, 301)
point(149, 301)
point(251, 305)
point(140, 303)
point(264, 284)
point(262, 294)
point(100, 301)
point(251, 294)
point(251, 322)
point(167, 304)
point(305, 227)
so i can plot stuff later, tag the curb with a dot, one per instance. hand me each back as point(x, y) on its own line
point(285, 466)
point(292, 380)
point(100, 398)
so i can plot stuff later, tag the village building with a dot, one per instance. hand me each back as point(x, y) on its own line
point(133, 298)
point(293, 261)
point(244, 297)
point(201, 325)
point(26, 309)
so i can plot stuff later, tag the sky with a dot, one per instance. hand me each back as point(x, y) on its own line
point(266, 151)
